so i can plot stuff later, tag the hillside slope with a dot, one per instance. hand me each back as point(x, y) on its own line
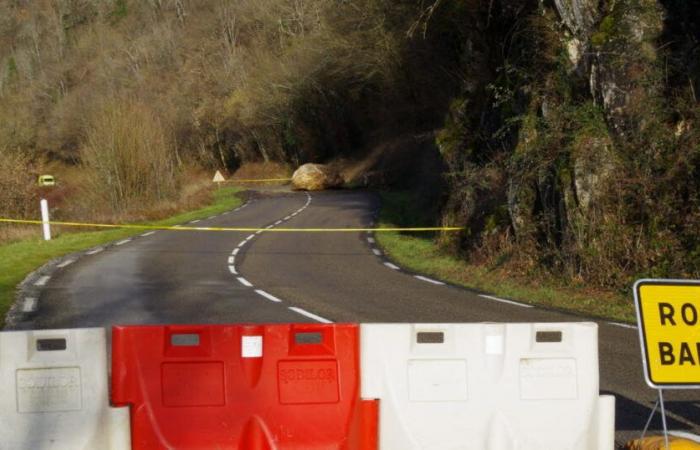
point(567, 129)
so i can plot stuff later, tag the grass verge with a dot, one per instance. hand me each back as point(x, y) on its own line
point(18, 259)
point(420, 253)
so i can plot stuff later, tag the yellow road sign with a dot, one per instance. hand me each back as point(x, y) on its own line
point(668, 314)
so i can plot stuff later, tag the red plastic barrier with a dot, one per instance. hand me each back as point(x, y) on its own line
point(270, 387)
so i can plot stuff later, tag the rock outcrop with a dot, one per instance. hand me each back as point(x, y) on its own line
point(578, 15)
point(316, 177)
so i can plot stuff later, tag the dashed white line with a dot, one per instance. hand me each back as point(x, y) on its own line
point(125, 241)
point(195, 221)
point(392, 266)
point(268, 296)
point(29, 305)
point(623, 325)
point(245, 282)
point(42, 281)
point(94, 251)
point(150, 233)
point(503, 300)
point(377, 252)
point(65, 263)
point(429, 280)
point(370, 240)
point(225, 213)
point(303, 312)
point(211, 217)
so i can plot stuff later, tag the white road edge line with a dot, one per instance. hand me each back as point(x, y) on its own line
point(370, 240)
point(42, 281)
point(125, 241)
point(503, 300)
point(245, 282)
point(235, 251)
point(377, 252)
point(429, 280)
point(29, 304)
point(303, 312)
point(268, 296)
point(278, 222)
point(65, 263)
point(241, 244)
point(392, 266)
point(232, 269)
point(150, 233)
point(623, 325)
point(95, 251)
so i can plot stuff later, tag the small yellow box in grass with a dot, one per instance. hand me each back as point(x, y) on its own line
point(47, 180)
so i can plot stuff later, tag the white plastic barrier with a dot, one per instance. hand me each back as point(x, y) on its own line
point(54, 392)
point(487, 386)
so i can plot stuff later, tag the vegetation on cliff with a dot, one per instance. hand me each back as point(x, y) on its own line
point(575, 147)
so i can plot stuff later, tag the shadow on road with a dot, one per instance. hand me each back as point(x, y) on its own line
point(632, 415)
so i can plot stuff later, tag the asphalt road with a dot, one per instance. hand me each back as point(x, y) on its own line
point(210, 277)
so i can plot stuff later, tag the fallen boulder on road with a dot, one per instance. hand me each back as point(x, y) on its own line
point(316, 177)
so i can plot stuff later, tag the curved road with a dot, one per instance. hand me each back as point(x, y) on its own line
point(213, 277)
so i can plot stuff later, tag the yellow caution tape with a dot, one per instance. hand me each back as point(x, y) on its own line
point(264, 180)
point(241, 229)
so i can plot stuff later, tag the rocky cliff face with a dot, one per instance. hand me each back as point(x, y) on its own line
point(580, 151)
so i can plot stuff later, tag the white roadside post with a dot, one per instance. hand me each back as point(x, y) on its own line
point(45, 219)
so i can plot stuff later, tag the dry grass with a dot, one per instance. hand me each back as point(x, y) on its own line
point(18, 191)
